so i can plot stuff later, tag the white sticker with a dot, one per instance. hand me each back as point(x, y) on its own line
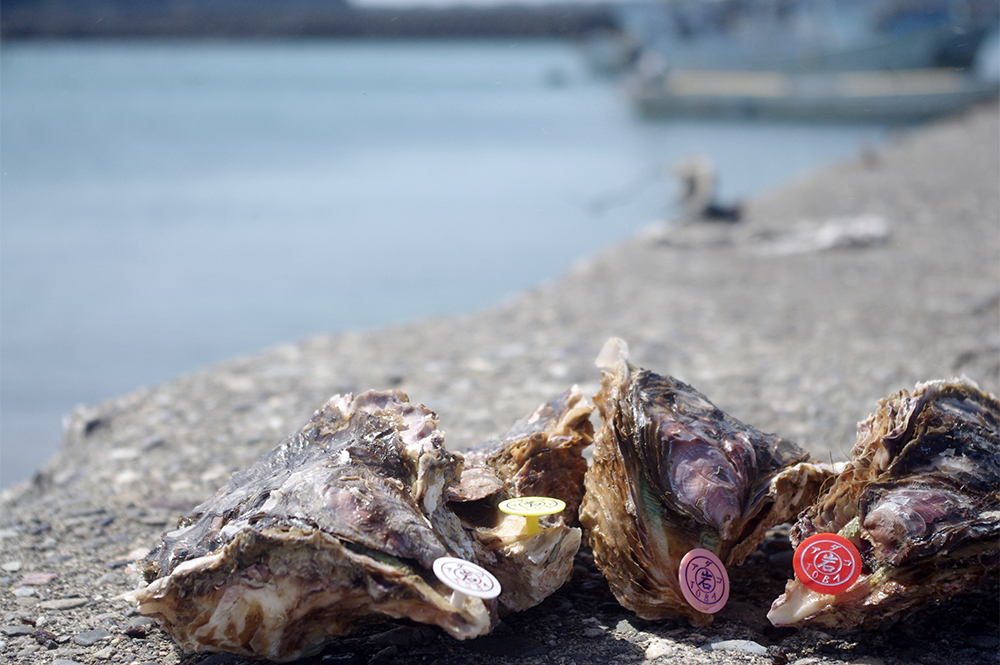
point(466, 579)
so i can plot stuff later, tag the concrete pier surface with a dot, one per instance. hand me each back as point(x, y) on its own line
point(835, 291)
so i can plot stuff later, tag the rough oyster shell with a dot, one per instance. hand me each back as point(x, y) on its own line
point(920, 499)
point(671, 473)
point(541, 455)
point(339, 524)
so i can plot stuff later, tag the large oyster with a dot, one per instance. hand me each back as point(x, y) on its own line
point(671, 473)
point(920, 499)
point(339, 524)
point(342, 522)
point(541, 455)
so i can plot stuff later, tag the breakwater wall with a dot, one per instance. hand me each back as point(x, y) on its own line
point(22, 20)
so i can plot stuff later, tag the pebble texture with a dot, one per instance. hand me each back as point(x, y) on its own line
point(801, 343)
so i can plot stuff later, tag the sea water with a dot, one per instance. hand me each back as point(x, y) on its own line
point(168, 205)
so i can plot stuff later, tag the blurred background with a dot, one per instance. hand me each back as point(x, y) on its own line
point(183, 182)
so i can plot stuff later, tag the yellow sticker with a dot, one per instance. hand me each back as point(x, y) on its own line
point(531, 508)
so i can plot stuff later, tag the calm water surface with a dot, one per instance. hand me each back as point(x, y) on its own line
point(170, 205)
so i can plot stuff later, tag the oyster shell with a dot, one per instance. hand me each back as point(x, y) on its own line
point(672, 473)
point(541, 455)
point(920, 499)
point(341, 524)
point(338, 525)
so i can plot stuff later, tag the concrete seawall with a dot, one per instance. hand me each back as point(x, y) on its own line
point(275, 20)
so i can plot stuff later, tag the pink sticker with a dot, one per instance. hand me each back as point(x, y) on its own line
point(704, 581)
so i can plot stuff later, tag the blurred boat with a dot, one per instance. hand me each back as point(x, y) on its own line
point(797, 36)
point(880, 96)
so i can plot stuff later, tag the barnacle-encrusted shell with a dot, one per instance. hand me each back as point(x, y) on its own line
point(671, 472)
point(920, 499)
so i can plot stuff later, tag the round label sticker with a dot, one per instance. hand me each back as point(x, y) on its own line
point(466, 578)
point(532, 506)
point(704, 581)
point(827, 563)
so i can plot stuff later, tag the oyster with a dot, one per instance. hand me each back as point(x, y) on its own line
point(672, 473)
point(338, 525)
point(920, 499)
point(341, 524)
point(541, 455)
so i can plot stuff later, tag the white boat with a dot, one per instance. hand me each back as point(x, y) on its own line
point(881, 96)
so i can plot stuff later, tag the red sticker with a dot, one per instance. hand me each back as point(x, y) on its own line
point(704, 581)
point(827, 563)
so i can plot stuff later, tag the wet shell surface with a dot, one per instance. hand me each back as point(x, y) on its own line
point(920, 499)
point(672, 473)
point(337, 527)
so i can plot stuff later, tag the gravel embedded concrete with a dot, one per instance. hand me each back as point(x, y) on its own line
point(793, 321)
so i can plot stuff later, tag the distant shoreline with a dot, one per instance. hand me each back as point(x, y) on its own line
point(29, 21)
